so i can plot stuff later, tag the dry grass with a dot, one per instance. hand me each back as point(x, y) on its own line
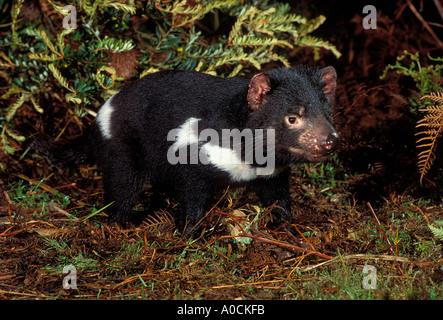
point(151, 261)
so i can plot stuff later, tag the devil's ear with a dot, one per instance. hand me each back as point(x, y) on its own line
point(329, 78)
point(259, 87)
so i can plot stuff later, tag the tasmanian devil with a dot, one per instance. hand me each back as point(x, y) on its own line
point(190, 134)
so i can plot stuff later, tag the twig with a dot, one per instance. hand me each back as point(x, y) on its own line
point(47, 188)
point(8, 200)
point(246, 284)
point(39, 295)
point(384, 236)
point(207, 213)
point(381, 229)
point(425, 24)
point(4, 232)
point(303, 236)
point(286, 245)
point(439, 8)
point(356, 256)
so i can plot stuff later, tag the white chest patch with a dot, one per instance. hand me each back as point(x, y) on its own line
point(186, 134)
point(229, 161)
point(104, 118)
point(210, 153)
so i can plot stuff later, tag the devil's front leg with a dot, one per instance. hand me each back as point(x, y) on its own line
point(192, 191)
point(274, 190)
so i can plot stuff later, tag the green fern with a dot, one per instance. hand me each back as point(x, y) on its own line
point(426, 78)
point(437, 232)
point(77, 63)
point(115, 45)
point(427, 81)
point(13, 109)
point(259, 35)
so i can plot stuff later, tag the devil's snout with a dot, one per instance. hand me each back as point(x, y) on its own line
point(330, 142)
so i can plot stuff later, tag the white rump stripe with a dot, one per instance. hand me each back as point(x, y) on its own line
point(104, 119)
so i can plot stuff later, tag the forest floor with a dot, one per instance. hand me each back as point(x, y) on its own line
point(363, 207)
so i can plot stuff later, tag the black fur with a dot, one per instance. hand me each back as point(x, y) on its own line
point(76, 153)
point(147, 110)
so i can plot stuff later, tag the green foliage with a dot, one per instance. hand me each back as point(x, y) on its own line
point(30, 197)
point(437, 231)
point(426, 78)
point(428, 82)
point(113, 45)
point(259, 35)
point(324, 176)
point(227, 37)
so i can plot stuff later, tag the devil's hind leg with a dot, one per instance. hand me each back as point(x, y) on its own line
point(122, 184)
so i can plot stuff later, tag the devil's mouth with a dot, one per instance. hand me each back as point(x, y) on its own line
point(315, 157)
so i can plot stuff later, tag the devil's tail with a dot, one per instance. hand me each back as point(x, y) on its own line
point(69, 154)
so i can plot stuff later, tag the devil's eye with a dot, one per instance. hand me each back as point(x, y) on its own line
point(292, 120)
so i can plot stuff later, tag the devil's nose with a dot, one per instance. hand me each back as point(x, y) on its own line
point(330, 142)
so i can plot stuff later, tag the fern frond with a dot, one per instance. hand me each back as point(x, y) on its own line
point(59, 8)
point(8, 61)
point(61, 39)
point(434, 96)
point(311, 25)
point(37, 107)
point(101, 78)
point(183, 13)
point(16, 106)
point(438, 223)
point(11, 91)
point(245, 13)
point(432, 109)
point(265, 42)
point(122, 6)
point(43, 36)
point(313, 42)
point(437, 232)
point(57, 51)
point(44, 56)
point(15, 13)
point(427, 157)
point(148, 71)
point(90, 7)
point(115, 45)
point(71, 98)
point(433, 124)
point(57, 74)
point(14, 136)
point(160, 221)
point(280, 58)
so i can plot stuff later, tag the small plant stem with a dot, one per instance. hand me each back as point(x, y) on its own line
point(384, 235)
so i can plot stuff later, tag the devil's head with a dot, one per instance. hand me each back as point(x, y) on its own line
point(297, 104)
